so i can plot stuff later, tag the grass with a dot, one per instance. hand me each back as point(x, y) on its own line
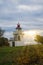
point(9, 55)
point(6, 53)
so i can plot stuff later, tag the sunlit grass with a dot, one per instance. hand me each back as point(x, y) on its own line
point(12, 55)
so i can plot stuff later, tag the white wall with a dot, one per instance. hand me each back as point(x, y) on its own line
point(10, 43)
point(19, 43)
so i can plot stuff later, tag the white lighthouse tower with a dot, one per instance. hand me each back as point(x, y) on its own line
point(18, 35)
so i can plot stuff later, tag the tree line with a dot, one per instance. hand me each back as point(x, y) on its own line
point(3, 40)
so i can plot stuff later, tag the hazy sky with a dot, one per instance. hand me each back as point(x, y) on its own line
point(28, 12)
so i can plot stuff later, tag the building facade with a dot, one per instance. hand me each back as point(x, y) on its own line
point(17, 36)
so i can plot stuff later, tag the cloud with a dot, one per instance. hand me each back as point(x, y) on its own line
point(30, 7)
point(8, 6)
point(35, 2)
point(7, 24)
point(8, 34)
point(28, 12)
point(32, 23)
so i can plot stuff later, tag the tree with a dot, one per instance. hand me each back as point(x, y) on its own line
point(4, 41)
point(1, 32)
point(39, 39)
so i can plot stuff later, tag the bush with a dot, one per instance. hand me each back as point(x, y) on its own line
point(30, 56)
point(27, 55)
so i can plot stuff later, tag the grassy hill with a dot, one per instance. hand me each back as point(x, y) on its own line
point(24, 55)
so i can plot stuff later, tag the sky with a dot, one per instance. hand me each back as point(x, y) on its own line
point(29, 13)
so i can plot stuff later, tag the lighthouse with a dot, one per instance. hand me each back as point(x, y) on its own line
point(18, 35)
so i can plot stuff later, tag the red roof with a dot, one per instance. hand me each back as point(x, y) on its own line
point(18, 26)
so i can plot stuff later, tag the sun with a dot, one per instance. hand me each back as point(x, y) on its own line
point(29, 36)
point(31, 33)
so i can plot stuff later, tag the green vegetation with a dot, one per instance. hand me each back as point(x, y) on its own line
point(3, 40)
point(1, 32)
point(39, 39)
point(27, 55)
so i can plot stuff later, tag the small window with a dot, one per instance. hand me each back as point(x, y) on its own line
point(19, 38)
